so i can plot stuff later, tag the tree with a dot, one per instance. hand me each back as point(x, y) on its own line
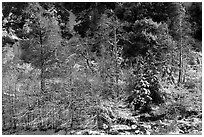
point(41, 47)
point(146, 45)
point(109, 33)
point(130, 12)
point(181, 30)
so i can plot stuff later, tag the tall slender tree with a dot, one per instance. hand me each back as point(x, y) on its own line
point(181, 30)
point(44, 41)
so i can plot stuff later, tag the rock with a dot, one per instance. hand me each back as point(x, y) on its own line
point(137, 132)
point(72, 132)
point(122, 133)
point(134, 126)
point(147, 126)
point(120, 127)
point(105, 126)
point(94, 133)
point(127, 133)
point(113, 132)
point(61, 132)
point(78, 133)
point(147, 132)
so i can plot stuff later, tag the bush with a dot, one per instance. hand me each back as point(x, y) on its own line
point(189, 85)
point(175, 110)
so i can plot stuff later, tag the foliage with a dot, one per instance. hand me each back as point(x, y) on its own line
point(196, 19)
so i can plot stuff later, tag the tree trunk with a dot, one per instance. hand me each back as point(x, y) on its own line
point(180, 50)
point(42, 82)
point(180, 65)
point(116, 65)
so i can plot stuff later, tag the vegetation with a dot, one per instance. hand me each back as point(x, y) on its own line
point(101, 68)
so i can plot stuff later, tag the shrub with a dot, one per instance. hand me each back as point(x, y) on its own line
point(189, 85)
point(175, 110)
